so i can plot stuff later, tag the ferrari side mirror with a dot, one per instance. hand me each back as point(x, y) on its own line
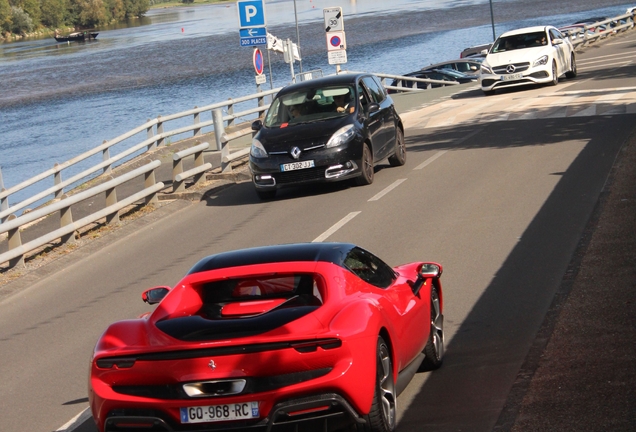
point(155, 295)
point(427, 271)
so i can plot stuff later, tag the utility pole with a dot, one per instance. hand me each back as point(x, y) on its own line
point(492, 19)
point(298, 38)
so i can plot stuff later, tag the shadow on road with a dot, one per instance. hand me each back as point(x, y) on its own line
point(485, 355)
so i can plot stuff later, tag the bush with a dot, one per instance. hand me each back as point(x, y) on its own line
point(21, 22)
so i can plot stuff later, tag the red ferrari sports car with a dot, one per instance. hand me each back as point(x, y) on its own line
point(310, 336)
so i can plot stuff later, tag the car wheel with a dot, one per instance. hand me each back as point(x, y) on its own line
point(399, 157)
point(555, 76)
point(434, 350)
point(382, 416)
point(572, 72)
point(266, 195)
point(367, 167)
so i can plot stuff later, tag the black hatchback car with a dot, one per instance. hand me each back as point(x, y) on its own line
point(325, 130)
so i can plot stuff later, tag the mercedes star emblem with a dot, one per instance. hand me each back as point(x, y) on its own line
point(510, 69)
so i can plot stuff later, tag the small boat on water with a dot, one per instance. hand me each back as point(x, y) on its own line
point(76, 36)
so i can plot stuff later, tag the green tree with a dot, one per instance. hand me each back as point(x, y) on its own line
point(31, 8)
point(136, 8)
point(21, 22)
point(5, 16)
point(54, 12)
point(116, 10)
point(88, 13)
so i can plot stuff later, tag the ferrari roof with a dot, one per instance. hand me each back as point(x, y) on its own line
point(326, 252)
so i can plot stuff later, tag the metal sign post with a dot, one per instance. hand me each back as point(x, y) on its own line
point(289, 57)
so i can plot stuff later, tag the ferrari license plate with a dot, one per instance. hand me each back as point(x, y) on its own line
point(297, 165)
point(214, 413)
point(511, 77)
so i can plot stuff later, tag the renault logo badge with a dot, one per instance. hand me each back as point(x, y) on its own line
point(295, 152)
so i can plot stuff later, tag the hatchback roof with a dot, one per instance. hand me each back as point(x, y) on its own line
point(331, 80)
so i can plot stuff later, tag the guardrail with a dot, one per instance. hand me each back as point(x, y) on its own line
point(178, 175)
point(585, 34)
point(66, 232)
point(402, 78)
point(218, 123)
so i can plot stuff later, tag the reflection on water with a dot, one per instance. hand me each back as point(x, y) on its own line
point(58, 100)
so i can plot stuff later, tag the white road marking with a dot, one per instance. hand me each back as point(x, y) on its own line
point(387, 190)
point(429, 160)
point(620, 43)
point(591, 67)
point(618, 55)
point(335, 227)
point(76, 421)
point(591, 91)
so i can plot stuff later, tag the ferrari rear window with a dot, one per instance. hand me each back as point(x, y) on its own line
point(258, 294)
point(247, 306)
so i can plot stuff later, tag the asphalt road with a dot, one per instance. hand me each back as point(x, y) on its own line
point(498, 189)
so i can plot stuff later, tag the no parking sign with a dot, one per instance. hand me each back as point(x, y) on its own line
point(336, 41)
point(258, 61)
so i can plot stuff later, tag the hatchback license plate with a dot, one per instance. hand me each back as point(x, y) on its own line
point(511, 77)
point(214, 413)
point(297, 165)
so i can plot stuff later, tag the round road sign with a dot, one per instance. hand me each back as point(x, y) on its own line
point(258, 61)
point(335, 41)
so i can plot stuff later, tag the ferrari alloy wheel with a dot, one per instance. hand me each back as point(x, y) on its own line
point(555, 76)
point(382, 416)
point(367, 167)
point(572, 72)
point(399, 157)
point(434, 349)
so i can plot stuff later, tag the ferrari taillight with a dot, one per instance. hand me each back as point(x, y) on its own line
point(121, 363)
point(311, 346)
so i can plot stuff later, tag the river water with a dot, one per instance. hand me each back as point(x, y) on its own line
point(60, 100)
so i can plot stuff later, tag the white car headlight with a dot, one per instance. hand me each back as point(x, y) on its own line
point(342, 136)
point(257, 150)
point(540, 61)
point(485, 69)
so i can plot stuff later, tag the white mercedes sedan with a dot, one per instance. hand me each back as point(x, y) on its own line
point(531, 55)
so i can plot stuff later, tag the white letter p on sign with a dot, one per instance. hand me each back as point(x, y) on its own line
point(250, 12)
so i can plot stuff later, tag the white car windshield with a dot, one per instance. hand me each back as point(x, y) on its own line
point(309, 105)
point(520, 41)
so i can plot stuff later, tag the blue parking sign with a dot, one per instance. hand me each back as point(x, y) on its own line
point(251, 13)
